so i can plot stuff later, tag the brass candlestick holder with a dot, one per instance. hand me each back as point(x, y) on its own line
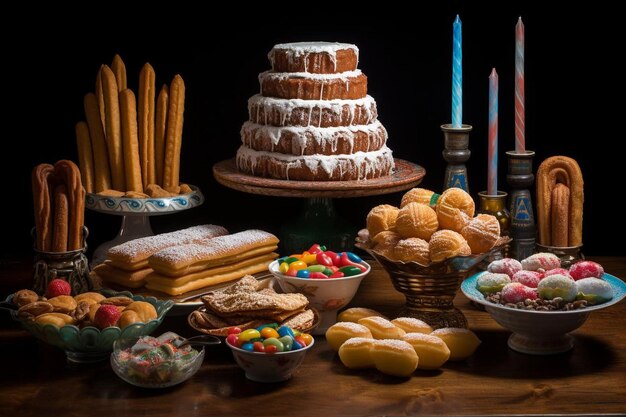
point(456, 153)
point(496, 206)
point(520, 177)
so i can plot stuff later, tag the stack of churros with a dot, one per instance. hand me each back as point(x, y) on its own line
point(59, 203)
point(183, 268)
point(130, 145)
point(127, 264)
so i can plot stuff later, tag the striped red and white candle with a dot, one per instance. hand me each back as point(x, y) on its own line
point(520, 112)
point(492, 169)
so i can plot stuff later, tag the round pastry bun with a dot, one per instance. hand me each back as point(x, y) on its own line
point(384, 242)
point(447, 244)
point(394, 357)
point(455, 208)
point(416, 220)
point(354, 314)
point(382, 328)
point(482, 233)
point(412, 249)
point(419, 195)
point(355, 353)
point(381, 218)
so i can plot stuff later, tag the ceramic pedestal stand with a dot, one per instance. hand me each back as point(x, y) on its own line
point(136, 214)
point(456, 153)
point(520, 177)
point(318, 223)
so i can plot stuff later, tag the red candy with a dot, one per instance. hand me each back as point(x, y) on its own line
point(324, 259)
point(557, 271)
point(586, 269)
point(318, 275)
point(334, 257)
point(516, 292)
point(258, 347)
point(315, 248)
point(528, 278)
point(234, 330)
point(345, 261)
point(337, 274)
point(232, 340)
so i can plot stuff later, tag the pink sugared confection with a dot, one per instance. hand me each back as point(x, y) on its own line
point(529, 278)
point(586, 269)
point(557, 271)
point(507, 266)
point(516, 292)
point(545, 261)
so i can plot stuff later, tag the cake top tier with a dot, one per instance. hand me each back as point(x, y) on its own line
point(314, 57)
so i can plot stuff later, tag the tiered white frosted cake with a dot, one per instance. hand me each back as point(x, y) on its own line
point(313, 120)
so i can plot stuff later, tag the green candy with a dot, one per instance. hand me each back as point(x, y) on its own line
point(287, 342)
point(290, 260)
point(317, 268)
point(280, 347)
point(349, 271)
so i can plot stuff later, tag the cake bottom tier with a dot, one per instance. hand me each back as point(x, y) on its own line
point(345, 167)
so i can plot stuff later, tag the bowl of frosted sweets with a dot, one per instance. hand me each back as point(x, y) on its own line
point(540, 302)
point(428, 245)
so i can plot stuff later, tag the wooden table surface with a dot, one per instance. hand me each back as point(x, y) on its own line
point(591, 379)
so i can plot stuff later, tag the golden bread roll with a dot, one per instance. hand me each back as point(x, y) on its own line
point(412, 249)
point(416, 220)
point(431, 350)
point(447, 244)
point(145, 311)
point(381, 328)
point(341, 331)
point(355, 314)
point(394, 357)
point(381, 218)
point(412, 325)
point(355, 353)
point(90, 297)
point(455, 208)
point(55, 319)
point(419, 195)
point(23, 297)
point(63, 304)
point(482, 233)
point(461, 342)
point(385, 242)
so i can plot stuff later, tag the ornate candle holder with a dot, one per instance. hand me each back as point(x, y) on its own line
point(496, 206)
point(456, 152)
point(520, 177)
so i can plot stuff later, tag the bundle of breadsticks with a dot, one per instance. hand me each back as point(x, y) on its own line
point(131, 146)
point(59, 203)
point(186, 260)
point(560, 202)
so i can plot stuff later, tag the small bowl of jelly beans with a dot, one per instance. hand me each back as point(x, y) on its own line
point(328, 279)
point(269, 353)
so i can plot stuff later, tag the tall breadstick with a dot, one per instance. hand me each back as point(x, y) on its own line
point(41, 203)
point(101, 169)
point(160, 132)
point(100, 96)
point(119, 69)
point(69, 174)
point(146, 123)
point(132, 166)
point(85, 155)
point(174, 137)
point(61, 219)
point(113, 132)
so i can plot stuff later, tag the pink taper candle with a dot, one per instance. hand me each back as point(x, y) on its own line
point(492, 169)
point(520, 113)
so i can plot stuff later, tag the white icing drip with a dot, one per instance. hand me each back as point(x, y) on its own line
point(296, 50)
point(364, 162)
point(343, 76)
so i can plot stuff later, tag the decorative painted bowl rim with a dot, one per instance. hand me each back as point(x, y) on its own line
point(239, 350)
point(66, 336)
point(273, 268)
point(619, 292)
point(141, 206)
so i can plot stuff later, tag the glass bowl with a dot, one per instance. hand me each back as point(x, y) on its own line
point(430, 289)
point(146, 372)
point(326, 296)
point(269, 367)
point(540, 332)
point(91, 344)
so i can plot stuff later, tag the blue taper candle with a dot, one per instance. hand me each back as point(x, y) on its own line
point(457, 74)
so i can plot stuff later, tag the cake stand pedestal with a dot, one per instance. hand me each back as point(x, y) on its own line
point(136, 214)
point(318, 222)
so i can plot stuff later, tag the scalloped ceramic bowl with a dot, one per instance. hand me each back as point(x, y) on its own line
point(327, 296)
point(91, 344)
point(540, 332)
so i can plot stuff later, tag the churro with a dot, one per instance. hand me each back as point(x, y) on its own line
point(113, 130)
point(132, 166)
point(176, 108)
point(100, 97)
point(61, 219)
point(102, 173)
point(160, 132)
point(146, 124)
point(119, 69)
point(42, 206)
point(85, 155)
point(68, 172)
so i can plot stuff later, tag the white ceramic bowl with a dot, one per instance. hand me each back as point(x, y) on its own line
point(269, 367)
point(326, 295)
point(540, 332)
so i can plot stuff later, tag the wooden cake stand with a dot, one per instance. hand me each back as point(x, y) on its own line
point(318, 222)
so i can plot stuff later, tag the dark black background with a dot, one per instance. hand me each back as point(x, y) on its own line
point(572, 79)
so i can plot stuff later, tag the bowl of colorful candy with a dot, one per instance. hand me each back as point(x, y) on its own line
point(328, 279)
point(540, 302)
point(269, 353)
point(156, 362)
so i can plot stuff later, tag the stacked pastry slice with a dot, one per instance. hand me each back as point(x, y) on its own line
point(183, 268)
